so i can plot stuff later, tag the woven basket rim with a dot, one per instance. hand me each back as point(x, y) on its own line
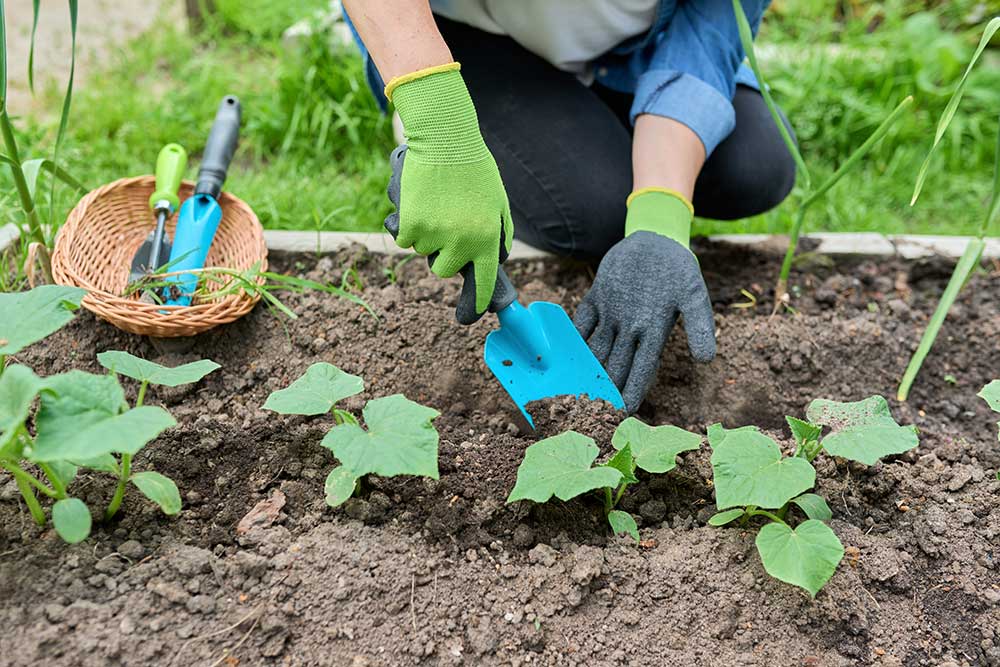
point(240, 232)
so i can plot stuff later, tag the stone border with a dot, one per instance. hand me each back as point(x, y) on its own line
point(906, 246)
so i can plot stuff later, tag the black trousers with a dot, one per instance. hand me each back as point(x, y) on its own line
point(565, 150)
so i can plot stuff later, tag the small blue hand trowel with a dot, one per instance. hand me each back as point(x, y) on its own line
point(537, 352)
point(200, 213)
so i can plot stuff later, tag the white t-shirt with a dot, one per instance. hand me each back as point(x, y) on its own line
point(570, 34)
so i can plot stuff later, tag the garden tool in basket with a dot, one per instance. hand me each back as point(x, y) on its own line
point(200, 214)
point(155, 250)
point(537, 352)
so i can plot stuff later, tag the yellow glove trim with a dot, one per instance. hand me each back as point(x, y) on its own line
point(666, 191)
point(419, 74)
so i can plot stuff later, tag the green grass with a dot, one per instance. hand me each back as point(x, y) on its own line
point(314, 147)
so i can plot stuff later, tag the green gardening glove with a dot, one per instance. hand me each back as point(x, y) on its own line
point(452, 200)
point(644, 283)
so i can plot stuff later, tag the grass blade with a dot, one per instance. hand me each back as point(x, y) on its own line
point(860, 153)
point(746, 37)
point(31, 49)
point(67, 101)
point(949, 112)
point(994, 209)
point(963, 270)
point(3, 60)
point(32, 168)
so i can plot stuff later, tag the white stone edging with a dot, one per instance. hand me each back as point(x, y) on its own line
point(908, 246)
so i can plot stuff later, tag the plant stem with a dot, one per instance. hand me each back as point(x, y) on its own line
point(54, 480)
point(609, 503)
point(142, 393)
point(621, 492)
point(37, 513)
point(35, 231)
point(22, 476)
point(966, 265)
point(116, 501)
point(770, 515)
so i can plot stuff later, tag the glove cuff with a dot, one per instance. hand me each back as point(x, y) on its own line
point(661, 211)
point(438, 116)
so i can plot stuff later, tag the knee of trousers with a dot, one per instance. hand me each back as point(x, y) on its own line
point(584, 228)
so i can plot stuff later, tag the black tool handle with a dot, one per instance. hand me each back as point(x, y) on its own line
point(219, 150)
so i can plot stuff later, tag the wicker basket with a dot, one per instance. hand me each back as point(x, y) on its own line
point(95, 247)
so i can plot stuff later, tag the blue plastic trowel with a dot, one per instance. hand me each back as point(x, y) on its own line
point(200, 213)
point(537, 352)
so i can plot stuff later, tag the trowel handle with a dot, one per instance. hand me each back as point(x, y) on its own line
point(170, 166)
point(504, 294)
point(220, 147)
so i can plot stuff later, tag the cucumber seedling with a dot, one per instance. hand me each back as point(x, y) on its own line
point(753, 479)
point(563, 466)
point(84, 421)
point(28, 317)
point(991, 394)
point(400, 440)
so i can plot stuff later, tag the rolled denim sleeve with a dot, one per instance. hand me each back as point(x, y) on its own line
point(693, 71)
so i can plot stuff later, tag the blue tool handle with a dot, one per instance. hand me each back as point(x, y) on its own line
point(197, 222)
point(220, 147)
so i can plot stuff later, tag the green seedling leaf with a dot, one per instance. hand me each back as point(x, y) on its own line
point(400, 440)
point(64, 471)
point(624, 462)
point(990, 393)
point(103, 463)
point(806, 557)
point(863, 431)
point(560, 466)
point(748, 469)
point(71, 519)
point(153, 373)
point(814, 506)
point(803, 431)
point(18, 388)
point(339, 486)
point(722, 518)
point(81, 419)
point(160, 489)
point(28, 317)
point(316, 392)
point(655, 447)
point(623, 522)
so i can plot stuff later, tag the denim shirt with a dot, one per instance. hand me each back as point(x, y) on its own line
point(686, 67)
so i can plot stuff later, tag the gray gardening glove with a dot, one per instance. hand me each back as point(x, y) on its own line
point(465, 311)
point(644, 282)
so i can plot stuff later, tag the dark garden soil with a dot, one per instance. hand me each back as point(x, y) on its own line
point(444, 573)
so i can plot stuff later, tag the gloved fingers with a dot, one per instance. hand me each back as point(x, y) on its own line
point(620, 360)
point(485, 275)
point(585, 318)
point(396, 159)
point(602, 340)
point(448, 263)
point(506, 233)
point(645, 364)
point(699, 323)
point(391, 223)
